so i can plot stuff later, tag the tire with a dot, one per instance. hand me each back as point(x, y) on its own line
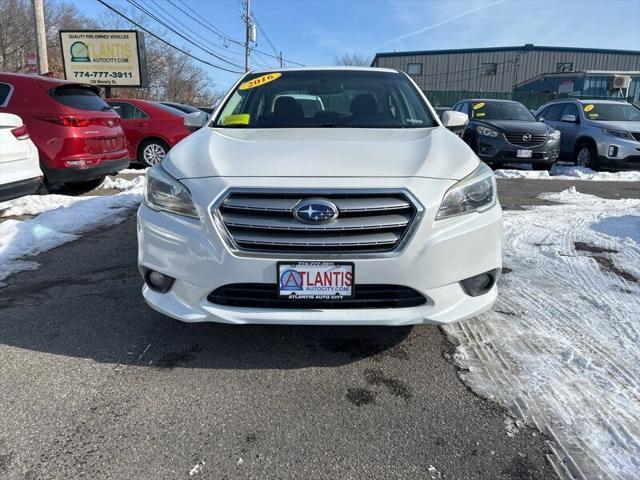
point(152, 152)
point(541, 165)
point(586, 156)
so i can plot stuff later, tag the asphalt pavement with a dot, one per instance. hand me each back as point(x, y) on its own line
point(94, 384)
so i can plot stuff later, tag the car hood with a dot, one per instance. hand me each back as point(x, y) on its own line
point(626, 126)
point(517, 126)
point(321, 152)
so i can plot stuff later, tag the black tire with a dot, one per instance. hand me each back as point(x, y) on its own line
point(151, 152)
point(586, 155)
point(541, 165)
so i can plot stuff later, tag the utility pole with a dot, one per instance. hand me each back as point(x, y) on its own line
point(41, 36)
point(247, 42)
point(280, 58)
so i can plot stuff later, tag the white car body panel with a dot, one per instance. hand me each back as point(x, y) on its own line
point(18, 158)
point(322, 152)
point(424, 162)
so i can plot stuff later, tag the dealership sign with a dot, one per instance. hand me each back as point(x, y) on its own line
point(110, 58)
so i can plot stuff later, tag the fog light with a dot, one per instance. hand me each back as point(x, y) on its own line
point(613, 151)
point(158, 281)
point(479, 284)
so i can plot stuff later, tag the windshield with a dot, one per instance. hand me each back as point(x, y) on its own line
point(612, 112)
point(501, 111)
point(330, 98)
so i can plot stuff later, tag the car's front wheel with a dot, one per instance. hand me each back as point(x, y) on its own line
point(586, 156)
point(152, 152)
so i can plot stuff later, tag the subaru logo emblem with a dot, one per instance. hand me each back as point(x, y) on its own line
point(526, 137)
point(315, 210)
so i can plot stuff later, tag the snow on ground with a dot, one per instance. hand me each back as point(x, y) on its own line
point(569, 172)
point(60, 219)
point(561, 346)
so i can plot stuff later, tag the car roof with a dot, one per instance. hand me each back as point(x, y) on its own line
point(329, 68)
point(42, 79)
point(496, 100)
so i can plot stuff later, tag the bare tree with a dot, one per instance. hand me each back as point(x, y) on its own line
point(353, 60)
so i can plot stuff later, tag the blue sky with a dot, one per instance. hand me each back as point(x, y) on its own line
point(314, 32)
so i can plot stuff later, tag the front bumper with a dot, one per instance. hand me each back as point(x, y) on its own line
point(433, 261)
point(499, 150)
point(619, 154)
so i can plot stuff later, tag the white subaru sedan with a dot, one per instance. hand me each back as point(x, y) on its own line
point(357, 208)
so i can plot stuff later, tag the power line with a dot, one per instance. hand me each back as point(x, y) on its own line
point(164, 24)
point(144, 29)
point(212, 28)
point(264, 34)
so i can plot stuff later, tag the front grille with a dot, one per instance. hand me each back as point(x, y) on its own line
point(265, 295)
point(516, 139)
point(636, 135)
point(263, 221)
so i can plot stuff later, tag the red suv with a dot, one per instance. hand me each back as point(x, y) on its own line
point(151, 128)
point(79, 136)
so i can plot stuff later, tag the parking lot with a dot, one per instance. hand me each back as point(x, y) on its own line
point(97, 385)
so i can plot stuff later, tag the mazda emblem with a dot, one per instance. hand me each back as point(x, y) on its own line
point(526, 137)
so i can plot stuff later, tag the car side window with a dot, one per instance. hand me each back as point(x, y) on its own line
point(465, 108)
point(127, 110)
point(570, 109)
point(456, 107)
point(554, 112)
point(5, 90)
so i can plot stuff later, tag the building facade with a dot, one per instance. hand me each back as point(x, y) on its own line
point(501, 69)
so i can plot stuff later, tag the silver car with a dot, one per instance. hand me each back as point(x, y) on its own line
point(599, 134)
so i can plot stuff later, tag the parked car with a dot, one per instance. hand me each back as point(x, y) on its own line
point(369, 211)
point(598, 134)
point(180, 106)
point(503, 131)
point(78, 136)
point(20, 173)
point(151, 128)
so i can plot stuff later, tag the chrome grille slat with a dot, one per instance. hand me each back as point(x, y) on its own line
point(341, 224)
point(262, 221)
point(373, 239)
point(516, 139)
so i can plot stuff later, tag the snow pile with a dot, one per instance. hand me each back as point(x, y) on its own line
point(560, 349)
point(122, 184)
point(570, 172)
point(60, 219)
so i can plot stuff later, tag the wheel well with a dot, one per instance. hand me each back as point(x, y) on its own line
point(583, 140)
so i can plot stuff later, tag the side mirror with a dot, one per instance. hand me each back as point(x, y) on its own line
point(452, 119)
point(196, 120)
point(569, 119)
point(540, 118)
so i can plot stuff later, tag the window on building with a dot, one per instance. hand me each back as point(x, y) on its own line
point(414, 69)
point(488, 68)
point(562, 67)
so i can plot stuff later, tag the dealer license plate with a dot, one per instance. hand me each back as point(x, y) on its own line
point(524, 153)
point(315, 280)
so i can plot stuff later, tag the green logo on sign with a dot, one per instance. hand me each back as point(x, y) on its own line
point(79, 52)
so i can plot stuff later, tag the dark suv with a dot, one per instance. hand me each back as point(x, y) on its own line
point(502, 131)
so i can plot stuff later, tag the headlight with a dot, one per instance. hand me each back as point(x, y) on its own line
point(163, 192)
point(477, 192)
point(487, 132)
point(555, 135)
point(617, 133)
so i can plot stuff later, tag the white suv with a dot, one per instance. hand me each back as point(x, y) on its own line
point(367, 211)
point(20, 172)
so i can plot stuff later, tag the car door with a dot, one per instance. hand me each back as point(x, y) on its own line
point(570, 129)
point(135, 123)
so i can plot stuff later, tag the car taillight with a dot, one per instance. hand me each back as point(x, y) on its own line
point(21, 133)
point(73, 121)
